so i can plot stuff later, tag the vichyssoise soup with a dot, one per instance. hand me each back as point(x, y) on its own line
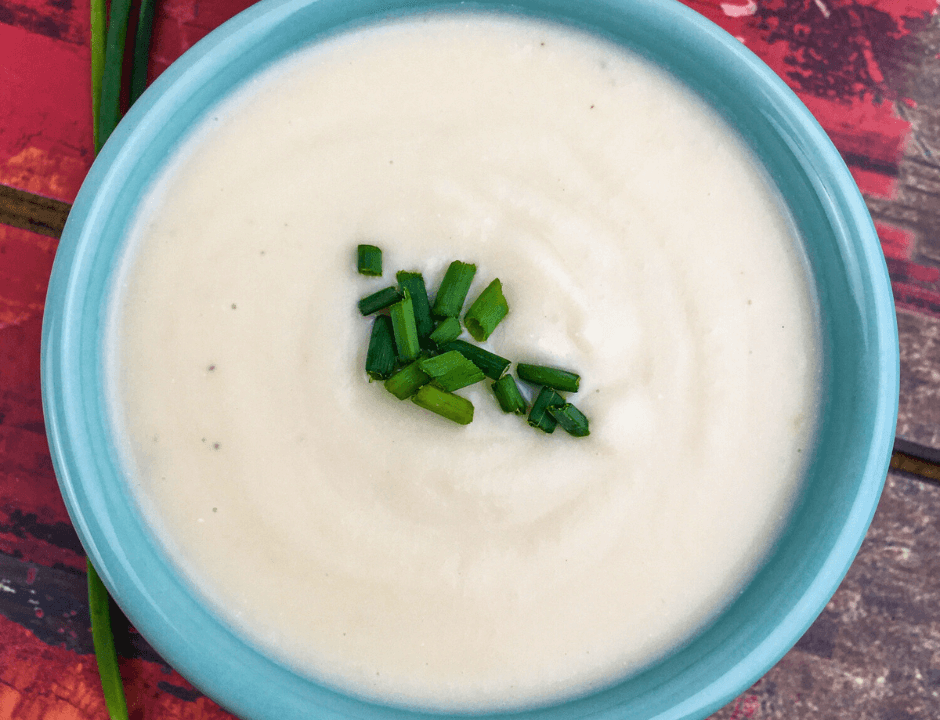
point(389, 552)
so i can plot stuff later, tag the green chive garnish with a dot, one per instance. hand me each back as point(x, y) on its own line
point(486, 312)
point(432, 362)
point(451, 371)
point(453, 407)
point(492, 365)
point(571, 419)
point(381, 356)
point(539, 416)
point(557, 379)
point(403, 327)
point(99, 606)
point(379, 300)
point(454, 289)
point(413, 282)
point(508, 395)
point(449, 329)
point(369, 260)
point(406, 381)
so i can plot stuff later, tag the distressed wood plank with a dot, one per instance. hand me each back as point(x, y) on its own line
point(874, 653)
point(35, 213)
point(919, 406)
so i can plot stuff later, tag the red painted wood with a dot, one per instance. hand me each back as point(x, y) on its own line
point(39, 681)
point(45, 120)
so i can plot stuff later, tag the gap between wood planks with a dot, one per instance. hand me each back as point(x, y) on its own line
point(45, 216)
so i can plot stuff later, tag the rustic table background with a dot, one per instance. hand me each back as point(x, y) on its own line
point(870, 72)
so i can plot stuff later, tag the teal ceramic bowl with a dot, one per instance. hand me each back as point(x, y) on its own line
point(858, 329)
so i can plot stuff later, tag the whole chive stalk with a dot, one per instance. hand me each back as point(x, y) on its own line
point(107, 63)
point(453, 407)
point(99, 28)
point(381, 355)
point(406, 381)
point(539, 416)
point(561, 380)
point(508, 395)
point(413, 282)
point(386, 297)
point(571, 419)
point(99, 606)
point(369, 260)
point(141, 50)
point(451, 371)
point(492, 365)
point(454, 288)
point(447, 330)
point(404, 329)
point(109, 110)
point(486, 312)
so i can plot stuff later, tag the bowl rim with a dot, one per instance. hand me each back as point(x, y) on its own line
point(80, 457)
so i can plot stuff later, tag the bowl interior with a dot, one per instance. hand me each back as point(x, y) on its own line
point(856, 312)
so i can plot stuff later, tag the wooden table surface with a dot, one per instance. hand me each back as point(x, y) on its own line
point(870, 72)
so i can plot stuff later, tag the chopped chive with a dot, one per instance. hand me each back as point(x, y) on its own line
point(443, 364)
point(571, 419)
point(454, 288)
point(539, 416)
point(406, 381)
point(451, 371)
point(561, 380)
point(453, 407)
point(381, 356)
point(508, 395)
point(380, 300)
point(369, 260)
point(447, 330)
point(486, 312)
point(403, 327)
point(413, 282)
point(492, 365)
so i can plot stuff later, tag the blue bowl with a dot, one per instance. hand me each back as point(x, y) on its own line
point(858, 329)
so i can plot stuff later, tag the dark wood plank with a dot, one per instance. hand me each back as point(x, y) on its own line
point(919, 406)
point(36, 213)
point(874, 653)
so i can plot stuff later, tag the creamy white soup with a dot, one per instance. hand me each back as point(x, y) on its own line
point(380, 548)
